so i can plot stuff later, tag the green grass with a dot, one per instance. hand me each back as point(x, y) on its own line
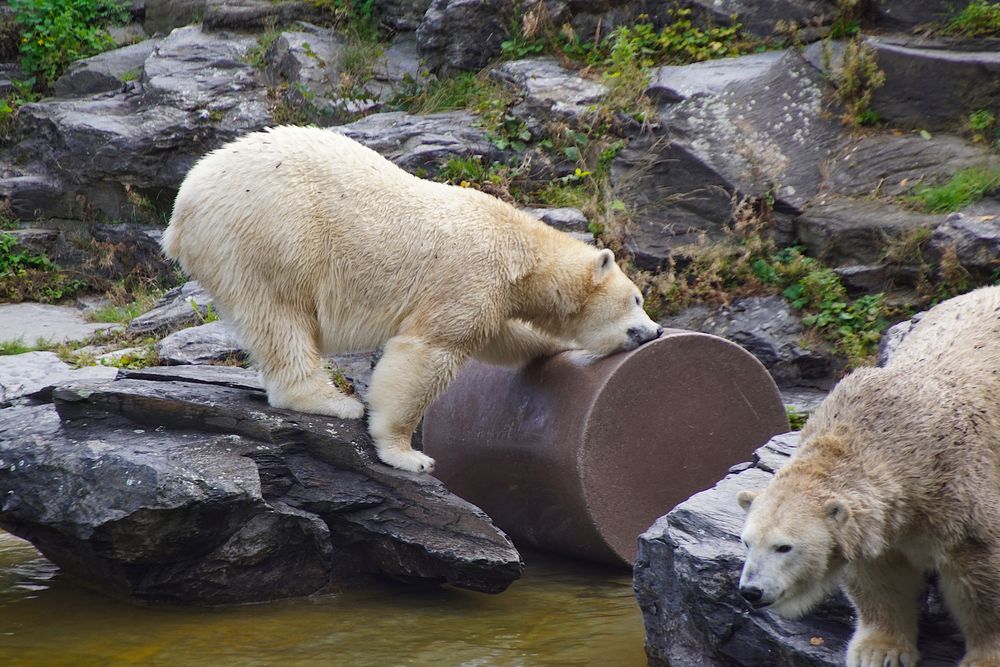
point(796, 418)
point(18, 346)
point(979, 19)
point(465, 90)
point(965, 187)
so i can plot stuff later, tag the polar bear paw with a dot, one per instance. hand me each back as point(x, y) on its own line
point(881, 650)
point(325, 400)
point(406, 459)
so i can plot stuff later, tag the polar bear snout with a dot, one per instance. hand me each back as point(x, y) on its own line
point(754, 596)
point(640, 335)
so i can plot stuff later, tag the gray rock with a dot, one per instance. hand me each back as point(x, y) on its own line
point(35, 373)
point(180, 307)
point(199, 345)
point(934, 88)
point(400, 15)
point(974, 234)
point(162, 16)
point(398, 70)
point(549, 92)
point(762, 18)
point(167, 491)
point(768, 328)
point(33, 197)
point(851, 231)
point(894, 335)
point(591, 19)
point(762, 135)
point(460, 35)
point(105, 71)
point(686, 579)
point(306, 58)
point(423, 142)
point(55, 324)
point(907, 14)
point(252, 15)
point(804, 400)
point(565, 219)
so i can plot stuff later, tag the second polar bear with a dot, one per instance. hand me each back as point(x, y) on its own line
point(898, 475)
point(313, 244)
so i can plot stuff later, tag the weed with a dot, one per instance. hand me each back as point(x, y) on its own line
point(465, 90)
point(133, 359)
point(16, 346)
point(130, 75)
point(23, 93)
point(858, 79)
point(54, 33)
point(979, 19)
point(965, 187)
point(796, 418)
point(28, 277)
point(983, 126)
point(255, 56)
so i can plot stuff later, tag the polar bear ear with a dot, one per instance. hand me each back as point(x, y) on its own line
point(602, 264)
point(837, 511)
point(745, 498)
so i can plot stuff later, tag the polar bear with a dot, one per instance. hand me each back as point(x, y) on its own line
point(898, 475)
point(313, 244)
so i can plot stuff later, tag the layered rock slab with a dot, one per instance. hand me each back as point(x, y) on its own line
point(686, 580)
point(165, 490)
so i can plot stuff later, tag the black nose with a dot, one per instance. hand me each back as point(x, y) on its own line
point(640, 336)
point(751, 594)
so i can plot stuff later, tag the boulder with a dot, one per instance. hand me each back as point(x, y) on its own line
point(686, 579)
point(35, 373)
point(104, 72)
point(894, 164)
point(748, 126)
point(893, 336)
point(423, 143)
point(769, 329)
point(397, 70)
point(164, 490)
point(162, 16)
point(932, 85)
point(255, 15)
point(550, 92)
point(905, 15)
point(763, 19)
point(458, 35)
point(563, 219)
point(180, 307)
point(200, 345)
point(400, 15)
point(974, 235)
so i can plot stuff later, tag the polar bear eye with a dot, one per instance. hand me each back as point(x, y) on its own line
point(783, 548)
point(638, 300)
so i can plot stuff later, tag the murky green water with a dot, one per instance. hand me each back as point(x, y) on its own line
point(560, 614)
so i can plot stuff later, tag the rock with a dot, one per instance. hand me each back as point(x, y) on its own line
point(105, 71)
point(309, 58)
point(397, 70)
point(768, 328)
point(929, 86)
point(686, 579)
point(180, 307)
point(974, 234)
point(168, 491)
point(907, 14)
point(32, 197)
point(593, 19)
point(200, 345)
point(893, 336)
point(196, 92)
point(804, 400)
point(253, 15)
point(30, 322)
point(162, 16)
point(35, 373)
point(854, 231)
point(564, 219)
point(893, 165)
point(550, 92)
point(400, 15)
point(762, 19)
point(423, 143)
point(460, 35)
point(754, 126)
point(131, 251)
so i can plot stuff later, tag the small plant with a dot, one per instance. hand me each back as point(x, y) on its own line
point(983, 126)
point(16, 346)
point(54, 33)
point(965, 187)
point(26, 276)
point(979, 19)
point(858, 79)
point(465, 90)
point(130, 75)
point(796, 418)
point(255, 56)
point(142, 357)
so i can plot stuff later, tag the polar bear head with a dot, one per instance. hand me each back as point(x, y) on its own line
point(611, 318)
point(794, 541)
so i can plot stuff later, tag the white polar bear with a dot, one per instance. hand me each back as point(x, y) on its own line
point(898, 475)
point(311, 243)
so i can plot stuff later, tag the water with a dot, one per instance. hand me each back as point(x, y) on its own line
point(560, 614)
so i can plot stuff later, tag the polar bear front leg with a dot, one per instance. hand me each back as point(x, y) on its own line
point(517, 343)
point(411, 374)
point(886, 592)
point(970, 582)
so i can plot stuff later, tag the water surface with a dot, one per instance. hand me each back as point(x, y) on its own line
point(561, 613)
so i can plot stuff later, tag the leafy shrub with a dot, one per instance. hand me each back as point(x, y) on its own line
point(859, 77)
point(979, 19)
point(25, 276)
point(54, 33)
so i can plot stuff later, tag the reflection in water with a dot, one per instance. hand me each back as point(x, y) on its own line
point(560, 614)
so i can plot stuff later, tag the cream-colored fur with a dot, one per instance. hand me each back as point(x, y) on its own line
point(898, 475)
point(311, 243)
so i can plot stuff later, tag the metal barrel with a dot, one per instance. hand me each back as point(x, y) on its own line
point(578, 455)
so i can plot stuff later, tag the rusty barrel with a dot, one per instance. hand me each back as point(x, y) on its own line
point(579, 455)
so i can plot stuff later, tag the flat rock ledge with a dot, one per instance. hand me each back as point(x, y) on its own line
point(686, 578)
point(183, 486)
